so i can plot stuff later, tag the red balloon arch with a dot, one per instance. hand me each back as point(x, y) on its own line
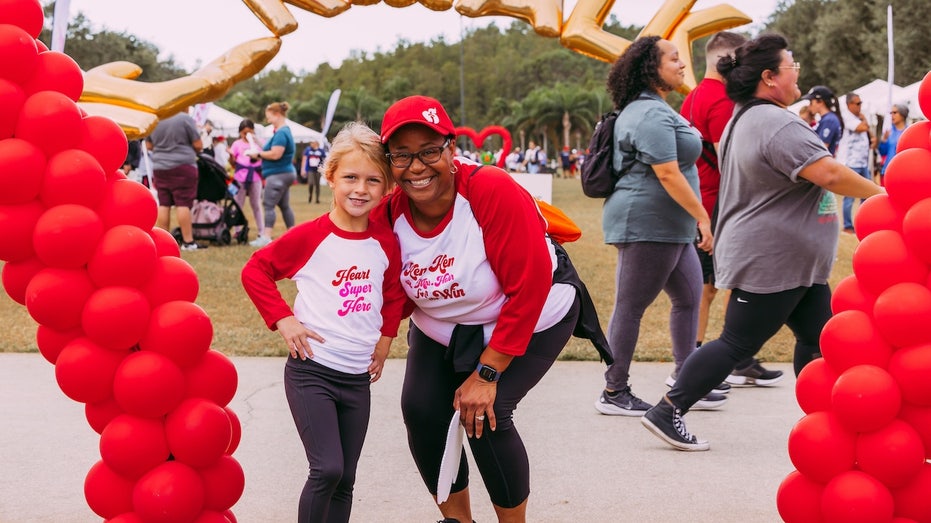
point(113, 299)
point(861, 452)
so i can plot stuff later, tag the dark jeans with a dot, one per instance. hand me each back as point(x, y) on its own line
point(331, 413)
point(427, 405)
point(751, 320)
point(848, 201)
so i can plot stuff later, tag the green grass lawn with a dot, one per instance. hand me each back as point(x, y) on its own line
point(238, 329)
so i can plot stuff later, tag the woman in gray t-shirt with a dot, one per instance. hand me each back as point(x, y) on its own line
point(653, 216)
point(777, 229)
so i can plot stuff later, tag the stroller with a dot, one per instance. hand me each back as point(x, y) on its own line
point(215, 213)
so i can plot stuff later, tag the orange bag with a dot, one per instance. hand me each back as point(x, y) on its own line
point(558, 226)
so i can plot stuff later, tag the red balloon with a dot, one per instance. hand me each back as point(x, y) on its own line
point(148, 385)
point(198, 432)
point(170, 493)
point(66, 236)
point(22, 166)
point(924, 94)
point(56, 297)
point(230, 516)
point(911, 368)
point(180, 330)
point(18, 223)
point(132, 446)
point(16, 276)
point(820, 447)
point(912, 500)
point(237, 431)
point(903, 314)
point(917, 135)
point(116, 317)
point(907, 180)
point(224, 482)
point(213, 378)
point(105, 140)
point(115, 175)
point(172, 280)
point(128, 517)
point(56, 72)
point(25, 14)
point(51, 341)
point(127, 202)
point(11, 102)
point(73, 176)
point(100, 414)
point(799, 499)
point(849, 338)
point(209, 516)
point(916, 230)
point(882, 260)
point(20, 55)
point(107, 493)
point(165, 242)
point(125, 255)
point(920, 420)
point(814, 385)
point(893, 454)
point(865, 398)
point(850, 295)
point(85, 370)
point(856, 497)
point(51, 121)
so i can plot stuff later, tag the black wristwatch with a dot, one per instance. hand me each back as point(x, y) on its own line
point(487, 372)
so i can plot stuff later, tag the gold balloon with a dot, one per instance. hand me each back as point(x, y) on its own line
point(544, 15)
point(111, 89)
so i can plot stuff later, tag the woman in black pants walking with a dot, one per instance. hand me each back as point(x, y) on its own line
point(777, 230)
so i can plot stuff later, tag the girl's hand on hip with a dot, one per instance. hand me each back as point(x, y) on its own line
point(297, 337)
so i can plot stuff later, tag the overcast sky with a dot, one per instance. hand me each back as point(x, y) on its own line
point(197, 31)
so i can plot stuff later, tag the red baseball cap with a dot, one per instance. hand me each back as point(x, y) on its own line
point(416, 109)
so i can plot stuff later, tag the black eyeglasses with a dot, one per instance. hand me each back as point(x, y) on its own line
point(428, 156)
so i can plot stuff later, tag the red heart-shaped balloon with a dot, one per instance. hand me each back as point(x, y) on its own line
point(478, 138)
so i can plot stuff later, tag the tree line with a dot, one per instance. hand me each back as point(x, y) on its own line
point(527, 83)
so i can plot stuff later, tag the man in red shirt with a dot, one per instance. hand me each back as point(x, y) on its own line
point(708, 109)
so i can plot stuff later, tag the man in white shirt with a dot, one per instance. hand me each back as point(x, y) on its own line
point(854, 149)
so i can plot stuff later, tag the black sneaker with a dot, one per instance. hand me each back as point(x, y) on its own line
point(621, 403)
point(665, 421)
point(722, 388)
point(756, 375)
point(710, 402)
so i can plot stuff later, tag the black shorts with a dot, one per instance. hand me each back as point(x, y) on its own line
point(707, 266)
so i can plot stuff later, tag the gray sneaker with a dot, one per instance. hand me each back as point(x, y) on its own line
point(722, 388)
point(621, 403)
point(756, 375)
point(666, 423)
point(711, 401)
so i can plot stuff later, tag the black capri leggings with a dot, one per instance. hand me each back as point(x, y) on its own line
point(427, 405)
point(751, 320)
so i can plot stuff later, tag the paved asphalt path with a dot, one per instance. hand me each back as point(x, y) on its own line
point(586, 467)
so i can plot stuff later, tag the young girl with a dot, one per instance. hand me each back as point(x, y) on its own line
point(247, 173)
point(346, 312)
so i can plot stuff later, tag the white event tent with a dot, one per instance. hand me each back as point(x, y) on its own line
point(227, 122)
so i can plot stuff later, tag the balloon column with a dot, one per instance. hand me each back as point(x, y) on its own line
point(112, 297)
point(861, 451)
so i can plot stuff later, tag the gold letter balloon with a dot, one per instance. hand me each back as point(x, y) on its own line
point(112, 89)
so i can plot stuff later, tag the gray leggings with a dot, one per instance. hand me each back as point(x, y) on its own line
point(278, 192)
point(643, 270)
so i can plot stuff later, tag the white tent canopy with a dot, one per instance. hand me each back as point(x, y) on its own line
point(226, 123)
point(301, 133)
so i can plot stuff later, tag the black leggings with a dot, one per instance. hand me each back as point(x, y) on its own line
point(427, 405)
point(331, 413)
point(751, 320)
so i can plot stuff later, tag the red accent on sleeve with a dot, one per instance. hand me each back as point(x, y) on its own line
point(279, 260)
point(515, 245)
point(394, 299)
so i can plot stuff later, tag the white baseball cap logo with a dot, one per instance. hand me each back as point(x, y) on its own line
point(430, 115)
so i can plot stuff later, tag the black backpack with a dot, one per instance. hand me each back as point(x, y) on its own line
point(598, 174)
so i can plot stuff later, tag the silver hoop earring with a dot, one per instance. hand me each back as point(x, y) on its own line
point(454, 170)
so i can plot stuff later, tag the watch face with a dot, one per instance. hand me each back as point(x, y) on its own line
point(487, 373)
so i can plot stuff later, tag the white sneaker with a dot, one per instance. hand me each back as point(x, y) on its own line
point(191, 246)
point(260, 241)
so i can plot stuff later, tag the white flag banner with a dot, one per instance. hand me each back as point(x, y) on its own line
point(891, 59)
point(330, 111)
point(60, 24)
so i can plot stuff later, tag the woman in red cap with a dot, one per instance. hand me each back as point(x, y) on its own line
point(495, 301)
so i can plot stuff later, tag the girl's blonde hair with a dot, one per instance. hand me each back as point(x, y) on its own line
point(358, 137)
point(278, 107)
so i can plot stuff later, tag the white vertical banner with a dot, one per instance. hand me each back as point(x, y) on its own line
point(891, 59)
point(60, 24)
point(330, 111)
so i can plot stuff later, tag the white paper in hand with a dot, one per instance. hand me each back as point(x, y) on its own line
point(449, 467)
